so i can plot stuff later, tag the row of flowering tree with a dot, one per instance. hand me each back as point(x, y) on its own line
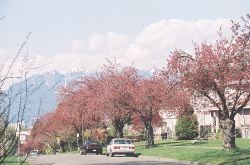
point(218, 73)
point(116, 95)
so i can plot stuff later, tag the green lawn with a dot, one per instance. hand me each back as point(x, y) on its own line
point(205, 151)
point(13, 161)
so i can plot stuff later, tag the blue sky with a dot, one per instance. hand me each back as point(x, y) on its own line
point(80, 34)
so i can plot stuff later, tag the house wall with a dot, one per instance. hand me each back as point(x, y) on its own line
point(246, 116)
point(168, 126)
point(243, 122)
point(204, 118)
point(208, 118)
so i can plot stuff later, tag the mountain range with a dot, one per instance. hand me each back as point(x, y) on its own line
point(42, 92)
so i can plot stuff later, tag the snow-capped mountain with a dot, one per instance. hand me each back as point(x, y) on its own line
point(42, 91)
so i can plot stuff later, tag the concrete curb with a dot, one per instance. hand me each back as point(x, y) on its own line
point(176, 161)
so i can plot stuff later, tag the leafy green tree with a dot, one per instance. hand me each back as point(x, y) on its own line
point(187, 125)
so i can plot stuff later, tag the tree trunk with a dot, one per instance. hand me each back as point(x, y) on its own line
point(79, 139)
point(149, 136)
point(118, 129)
point(228, 133)
point(54, 147)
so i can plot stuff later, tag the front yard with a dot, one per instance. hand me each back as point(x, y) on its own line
point(204, 151)
point(12, 160)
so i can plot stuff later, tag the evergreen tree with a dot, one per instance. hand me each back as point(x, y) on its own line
point(187, 125)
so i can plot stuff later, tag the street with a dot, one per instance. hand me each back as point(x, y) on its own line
point(92, 159)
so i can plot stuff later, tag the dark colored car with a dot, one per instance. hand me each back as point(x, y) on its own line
point(91, 147)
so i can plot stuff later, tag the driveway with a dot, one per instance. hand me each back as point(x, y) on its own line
point(75, 159)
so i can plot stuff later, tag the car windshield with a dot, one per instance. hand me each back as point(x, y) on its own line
point(92, 142)
point(122, 141)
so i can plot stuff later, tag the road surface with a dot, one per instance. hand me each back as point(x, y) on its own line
point(91, 159)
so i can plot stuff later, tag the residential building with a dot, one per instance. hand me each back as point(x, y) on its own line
point(209, 117)
point(23, 136)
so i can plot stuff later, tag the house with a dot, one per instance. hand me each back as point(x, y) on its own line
point(23, 136)
point(209, 117)
point(21, 130)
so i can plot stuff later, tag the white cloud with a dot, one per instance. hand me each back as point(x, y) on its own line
point(77, 46)
point(107, 42)
point(151, 47)
point(148, 49)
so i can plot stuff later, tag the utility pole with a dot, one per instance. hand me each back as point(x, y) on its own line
point(18, 144)
point(77, 138)
point(82, 132)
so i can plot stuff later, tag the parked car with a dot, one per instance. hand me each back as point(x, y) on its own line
point(91, 147)
point(34, 153)
point(120, 146)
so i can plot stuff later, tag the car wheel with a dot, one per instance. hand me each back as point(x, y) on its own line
point(111, 154)
point(99, 152)
point(130, 154)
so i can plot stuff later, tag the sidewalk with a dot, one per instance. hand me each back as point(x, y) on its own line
point(176, 161)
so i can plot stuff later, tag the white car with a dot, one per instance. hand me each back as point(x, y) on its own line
point(34, 153)
point(120, 146)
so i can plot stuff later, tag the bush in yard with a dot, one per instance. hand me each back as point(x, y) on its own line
point(218, 135)
point(238, 133)
point(187, 126)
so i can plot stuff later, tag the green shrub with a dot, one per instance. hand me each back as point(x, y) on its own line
point(238, 133)
point(204, 131)
point(186, 127)
point(111, 130)
point(218, 135)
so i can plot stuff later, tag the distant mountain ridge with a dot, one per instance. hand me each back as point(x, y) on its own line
point(44, 92)
point(42, 89)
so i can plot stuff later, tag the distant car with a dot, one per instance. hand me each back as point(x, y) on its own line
point(120, 146)
point(34, 153)
point(91, 147)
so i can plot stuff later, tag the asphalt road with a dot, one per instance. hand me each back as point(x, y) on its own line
point(91, 159)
